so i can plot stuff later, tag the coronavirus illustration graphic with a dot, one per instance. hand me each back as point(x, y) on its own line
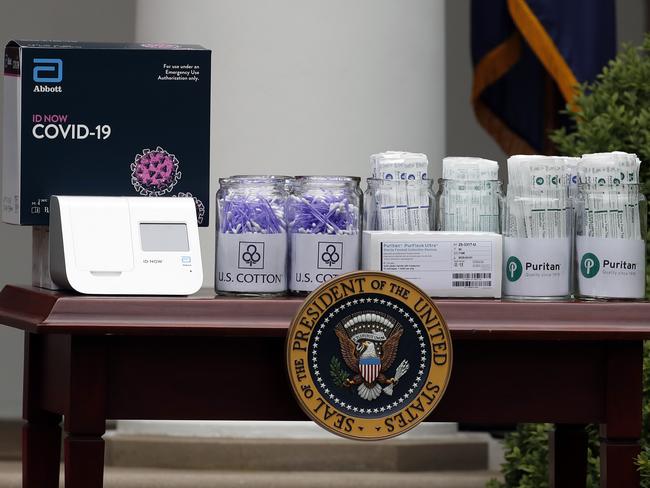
point(154, 172)
point(200, 207)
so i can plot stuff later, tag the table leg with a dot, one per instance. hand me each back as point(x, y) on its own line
point(568, 456)
point(41, 452)
point(41, 439)
point(85, 422)
point(84, 461)
point(619, 445)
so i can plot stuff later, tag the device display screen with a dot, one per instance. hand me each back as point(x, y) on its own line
point(164, 237)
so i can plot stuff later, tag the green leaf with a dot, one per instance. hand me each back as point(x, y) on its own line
point(337, 371)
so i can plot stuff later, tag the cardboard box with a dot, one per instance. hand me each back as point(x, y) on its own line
point(103, 119)
point(443, 264)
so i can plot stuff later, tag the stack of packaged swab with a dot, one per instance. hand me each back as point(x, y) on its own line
point(469, 194)
point(572, 175)
point(538, 190)
point(538, 228)
point(467, 168)
point(611, 195)
point(611, 216)
point(400, 190)
point(393, 165)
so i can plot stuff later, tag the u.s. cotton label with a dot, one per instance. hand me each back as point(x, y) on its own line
point(253, 263)
point(613, 268)
point(536, 267)
point(317, 258)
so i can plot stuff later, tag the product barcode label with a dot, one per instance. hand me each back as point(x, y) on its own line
point(471, 284)
point(471, 276)
point(472, 270)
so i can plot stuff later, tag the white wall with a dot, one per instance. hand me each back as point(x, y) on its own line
point(308, 86)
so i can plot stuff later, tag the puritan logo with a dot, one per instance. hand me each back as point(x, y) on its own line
point(513, 268)
point(589, 265)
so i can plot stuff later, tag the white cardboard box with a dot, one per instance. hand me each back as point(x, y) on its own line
point(443, 264)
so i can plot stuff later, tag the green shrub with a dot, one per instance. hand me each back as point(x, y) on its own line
point(613, 113)
point(526, 453)
point(644, 466)
point(526, 456)
point(610, 114)
point(644, 458)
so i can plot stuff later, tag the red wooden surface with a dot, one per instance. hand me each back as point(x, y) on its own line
point(97, 358)
point(41, 311)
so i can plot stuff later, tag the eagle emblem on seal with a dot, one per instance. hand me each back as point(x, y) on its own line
point(369, 344)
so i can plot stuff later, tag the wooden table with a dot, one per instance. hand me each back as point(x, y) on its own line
point(89, 359)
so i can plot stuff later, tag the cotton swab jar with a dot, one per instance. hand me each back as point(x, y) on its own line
point(469, 197)
point(251, 236)
point(324, 220)
point(537, 228)
point(611, 227)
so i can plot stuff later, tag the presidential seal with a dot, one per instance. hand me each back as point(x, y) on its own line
point(369, 355)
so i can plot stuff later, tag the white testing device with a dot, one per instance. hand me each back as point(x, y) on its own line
point(125, 245)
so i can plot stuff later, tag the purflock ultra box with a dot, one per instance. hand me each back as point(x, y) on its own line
point(106, 120)
point(443, 264)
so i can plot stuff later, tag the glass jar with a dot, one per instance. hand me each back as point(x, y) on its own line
point(405, 205)
point(537, 232)
point(251, 236)
point(469, 205)
point(324, 219)
point(611, 229)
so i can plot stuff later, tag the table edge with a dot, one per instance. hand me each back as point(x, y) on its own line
point(44, 311)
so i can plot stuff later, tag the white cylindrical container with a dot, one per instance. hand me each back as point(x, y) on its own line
point(611, 221)
point(537, 230)
point(611, 241)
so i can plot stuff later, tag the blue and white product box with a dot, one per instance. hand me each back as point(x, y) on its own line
point(442, 264)
point(104, 119)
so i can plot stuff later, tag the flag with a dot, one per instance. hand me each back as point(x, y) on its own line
point(529, 56)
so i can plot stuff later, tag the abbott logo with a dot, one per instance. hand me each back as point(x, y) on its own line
point(513, 268)
point(589, 265)
point(48, 70)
